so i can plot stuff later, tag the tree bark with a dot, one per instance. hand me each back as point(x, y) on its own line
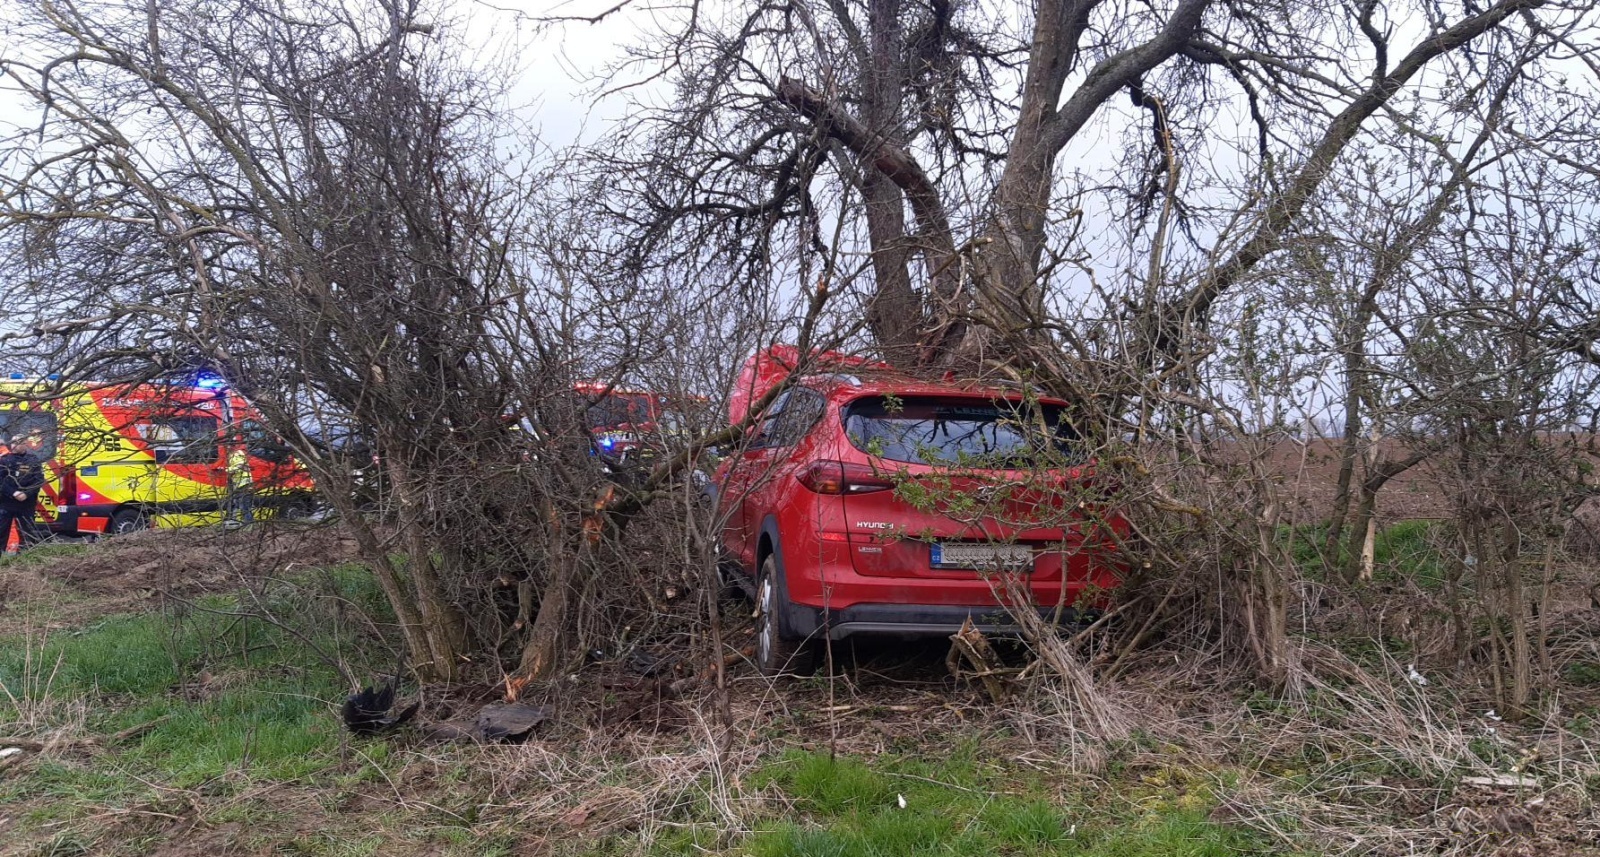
point(895, 311)
point(1379, 471)
point(1007, 291)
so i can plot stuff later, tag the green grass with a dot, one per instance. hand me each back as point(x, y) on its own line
point(1582, 674)
point(963, 806)
point(242, 730)
point(46, 553)
point(1404, 551)
point(224, 693)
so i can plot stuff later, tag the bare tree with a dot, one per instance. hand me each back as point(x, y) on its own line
point(329, 211)
point(1182, 218)
point(970, 145)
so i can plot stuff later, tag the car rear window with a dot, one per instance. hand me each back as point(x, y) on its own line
point(967, 432)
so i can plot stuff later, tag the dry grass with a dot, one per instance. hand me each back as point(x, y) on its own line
point(32, 706)
point(1360, 761)
point(1368, 762)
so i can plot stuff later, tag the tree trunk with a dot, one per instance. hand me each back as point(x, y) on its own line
point(1516, 609)
point(389, 580)
point(1354, 358)
point(542, 653)
point(441, 623)
point(1363, 529)
point(1266, 603)
point(895, 312)
point(1379, 470)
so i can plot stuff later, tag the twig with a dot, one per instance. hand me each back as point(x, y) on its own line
point(90, 741)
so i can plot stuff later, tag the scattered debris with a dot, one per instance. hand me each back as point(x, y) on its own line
point(503, 722)
point(369, 712)
point(1415, 677)
point(509, 721)
point(969, 643)
point(1504, 781)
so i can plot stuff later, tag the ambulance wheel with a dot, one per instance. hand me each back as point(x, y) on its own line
point(127, 521)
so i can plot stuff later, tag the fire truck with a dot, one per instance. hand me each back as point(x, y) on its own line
point(628, 427)
point(121, 457)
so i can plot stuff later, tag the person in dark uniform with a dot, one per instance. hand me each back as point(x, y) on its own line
point(21, 477)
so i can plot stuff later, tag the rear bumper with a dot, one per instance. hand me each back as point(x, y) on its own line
point(916, 620)
point(832, 598)
point(81, 519)
point(827, 595)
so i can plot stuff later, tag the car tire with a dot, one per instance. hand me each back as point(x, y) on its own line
point(126, 521)
point(776, 653)
point(299, 509)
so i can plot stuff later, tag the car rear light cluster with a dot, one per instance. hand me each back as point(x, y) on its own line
point(840, 477)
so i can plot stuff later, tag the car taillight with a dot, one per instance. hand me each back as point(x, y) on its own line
point(838, 477)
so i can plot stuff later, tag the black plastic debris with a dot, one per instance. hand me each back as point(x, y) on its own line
point(371, 710)
point(510, 721)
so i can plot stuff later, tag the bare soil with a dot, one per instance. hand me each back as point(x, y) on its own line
point(117, 575)
point(1310, 472)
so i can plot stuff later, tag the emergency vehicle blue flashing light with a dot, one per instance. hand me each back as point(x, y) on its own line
point(210, 382)
point(17, 376)
point(608, 442)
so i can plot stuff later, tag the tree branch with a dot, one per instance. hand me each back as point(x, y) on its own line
point(893, 162)
point(1285, 209)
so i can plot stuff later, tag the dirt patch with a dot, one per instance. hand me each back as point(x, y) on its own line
point(113, 575)
point(24, 584)
point(1309, 472)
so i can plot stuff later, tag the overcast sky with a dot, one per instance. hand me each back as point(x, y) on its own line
point(554, 62)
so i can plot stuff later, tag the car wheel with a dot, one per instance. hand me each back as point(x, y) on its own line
point(299, 509)
point(776, 654)
point(127, 521)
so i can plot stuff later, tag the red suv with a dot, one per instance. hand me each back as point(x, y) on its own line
point(869, 502)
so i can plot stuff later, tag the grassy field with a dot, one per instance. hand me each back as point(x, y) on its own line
point(200, 717)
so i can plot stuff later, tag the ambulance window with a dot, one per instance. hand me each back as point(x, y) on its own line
point(261, 443)
point(30, 432)
point(181, 439)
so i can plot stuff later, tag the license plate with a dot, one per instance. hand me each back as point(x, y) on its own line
point(981, 557)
